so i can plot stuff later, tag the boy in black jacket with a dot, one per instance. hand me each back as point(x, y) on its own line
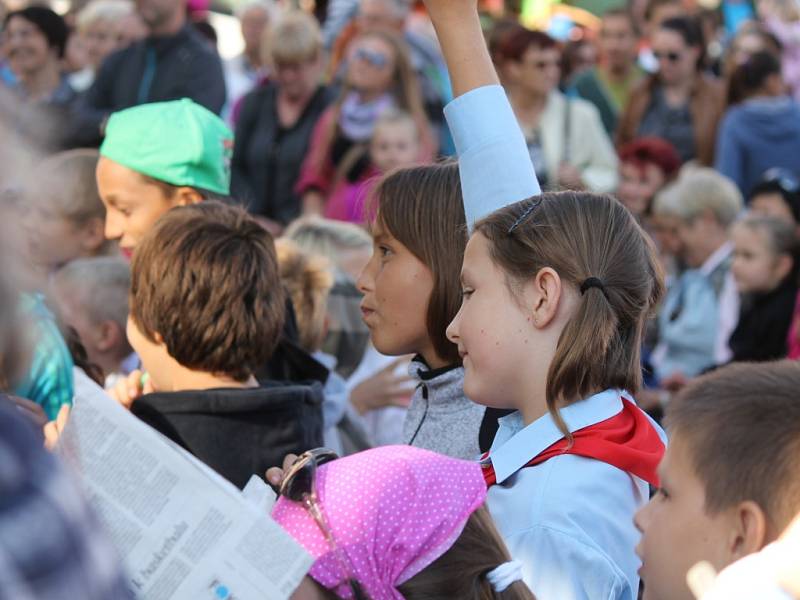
point(207, 308)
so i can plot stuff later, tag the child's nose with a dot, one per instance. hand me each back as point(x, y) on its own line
point(452, 329)
point(640, 518)
point(112, 230)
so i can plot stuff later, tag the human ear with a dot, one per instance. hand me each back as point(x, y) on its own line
point(187, 196)
point(93, 235)
point(542, 296)
point(512, 70)
point(110, 335)
point(749, 531)
point(783, 266)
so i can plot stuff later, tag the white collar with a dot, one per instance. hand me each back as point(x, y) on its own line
point(713, 261)
point(516, 444)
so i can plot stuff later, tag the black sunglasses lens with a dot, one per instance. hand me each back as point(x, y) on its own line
point(323, 455)
point(300, 483)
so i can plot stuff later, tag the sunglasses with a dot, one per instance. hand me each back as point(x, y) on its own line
point(783, 178)
point(670, 56)
point(376, 59)
point(299, 486)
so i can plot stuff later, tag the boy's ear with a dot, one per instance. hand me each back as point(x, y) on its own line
point(749, 533)
point(542, 296)
point(186, 196)
point(93, 235)
point(111, 335)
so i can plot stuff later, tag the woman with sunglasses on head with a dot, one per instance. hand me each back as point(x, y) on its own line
point(378, 78)
point(568, 146)
point(394, 523)
point(679, 103)
point(761, 129)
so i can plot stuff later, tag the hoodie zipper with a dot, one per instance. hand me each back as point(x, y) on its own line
point(424, 413)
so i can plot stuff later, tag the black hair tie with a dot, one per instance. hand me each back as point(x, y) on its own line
point(594, 282)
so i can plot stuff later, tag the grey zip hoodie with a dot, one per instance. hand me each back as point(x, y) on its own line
point(440, 417)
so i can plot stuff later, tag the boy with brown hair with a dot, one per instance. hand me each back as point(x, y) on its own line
point(730, 478)
point(207, 309)
point(162, 155)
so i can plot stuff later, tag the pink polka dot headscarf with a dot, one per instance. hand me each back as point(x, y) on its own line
point(393, 510)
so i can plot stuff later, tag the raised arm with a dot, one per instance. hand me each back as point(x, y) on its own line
point(494, 162)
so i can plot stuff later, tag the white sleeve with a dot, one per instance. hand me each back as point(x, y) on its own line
point(493, 159)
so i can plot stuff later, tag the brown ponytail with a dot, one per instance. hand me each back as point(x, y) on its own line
point(582, 236)
point(461, 571)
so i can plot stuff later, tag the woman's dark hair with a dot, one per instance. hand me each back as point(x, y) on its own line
point(691, 31)
point(50, 23)
point(421, 208)
point(514, 44)
point(652, 150)
point(783, 182)
point(749, 78)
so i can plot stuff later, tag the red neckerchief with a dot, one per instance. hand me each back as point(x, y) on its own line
point(627, 441)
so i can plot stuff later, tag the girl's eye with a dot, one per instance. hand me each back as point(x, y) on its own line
point(384, 250)
point(466, 293)
point(662, 492)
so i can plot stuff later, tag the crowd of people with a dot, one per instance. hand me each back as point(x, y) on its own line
point(541, 296)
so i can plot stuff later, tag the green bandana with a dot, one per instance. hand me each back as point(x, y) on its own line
point(178, 142)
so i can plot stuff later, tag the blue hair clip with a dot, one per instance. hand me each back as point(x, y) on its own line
point(524, 215)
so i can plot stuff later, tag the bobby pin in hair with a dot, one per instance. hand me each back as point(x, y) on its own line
point(594, 282)
point(524, 215)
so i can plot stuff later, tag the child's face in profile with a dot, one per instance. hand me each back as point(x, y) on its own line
point(755, 267)
point(133, 204)
point(156, 361)
point(54, 240)
point(677, 530)
point(394, 145)
point(396, 287)
point(495, 332)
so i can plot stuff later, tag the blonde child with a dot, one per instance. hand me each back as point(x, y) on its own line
point(556, 290)
point(395, 143)
point(308, 281)
point(379, 386)
point(764, 267)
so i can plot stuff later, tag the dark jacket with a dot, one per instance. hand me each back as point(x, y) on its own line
point(764, 324)
point(184, 67)
point(267, 158)
point(238, 432)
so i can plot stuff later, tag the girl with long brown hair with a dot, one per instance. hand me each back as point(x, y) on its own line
point(556, 289)
point(378, 78)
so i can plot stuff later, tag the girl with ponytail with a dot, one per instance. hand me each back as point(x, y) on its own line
point(556, 290)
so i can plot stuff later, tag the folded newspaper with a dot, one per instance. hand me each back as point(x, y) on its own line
point(183, 531)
